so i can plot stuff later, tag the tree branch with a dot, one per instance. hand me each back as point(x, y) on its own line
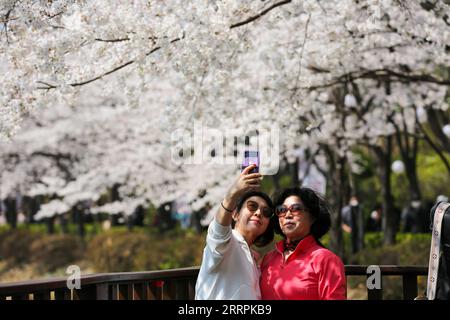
point(436, 124)
point(405, 132)
point(301, 55)
point(381, 74)
point(432, 144)
point(77, 84)
point(7, 19)
point(123, 39)
point(259, 15)
point(112, 40)
point(398, 137)
point(58, 158)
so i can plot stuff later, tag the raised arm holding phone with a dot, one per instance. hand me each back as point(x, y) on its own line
point(229, 269)
point(245, 182)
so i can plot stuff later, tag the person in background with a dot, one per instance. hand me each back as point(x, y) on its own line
point(411, 217)
point(352, 222)
point(300, 267)
point(441, 198)
point(374, 220)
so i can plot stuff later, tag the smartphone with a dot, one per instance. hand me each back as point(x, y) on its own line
point(251, 157)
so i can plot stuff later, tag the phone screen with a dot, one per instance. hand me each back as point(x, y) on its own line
point(251, 157)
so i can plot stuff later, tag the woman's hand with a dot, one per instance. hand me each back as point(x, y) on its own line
point(244, 182)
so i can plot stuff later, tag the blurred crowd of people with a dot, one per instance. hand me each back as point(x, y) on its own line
point(356, 219)
point(414, 218)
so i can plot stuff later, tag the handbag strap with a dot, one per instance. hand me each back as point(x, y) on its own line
point(433, 264)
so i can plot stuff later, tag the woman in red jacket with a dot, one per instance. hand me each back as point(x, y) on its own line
point(300, 268)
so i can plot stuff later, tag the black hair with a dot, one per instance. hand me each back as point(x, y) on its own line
point(267, 236)
point(377, 207)
point(316, 205)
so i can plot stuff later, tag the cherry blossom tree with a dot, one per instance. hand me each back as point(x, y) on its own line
point(99, 88)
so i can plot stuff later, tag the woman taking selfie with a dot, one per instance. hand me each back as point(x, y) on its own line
point(300, 268)
point(229, 267)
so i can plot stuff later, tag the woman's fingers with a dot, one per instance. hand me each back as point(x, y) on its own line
point(248, 169)
point(253, 181)
point(252, 176)
point(248, 180)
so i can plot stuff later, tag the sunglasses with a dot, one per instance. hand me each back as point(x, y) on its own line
point(253, 207)
point(295, 209)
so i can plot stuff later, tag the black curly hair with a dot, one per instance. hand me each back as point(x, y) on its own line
point(268, 235)
point(316, 205)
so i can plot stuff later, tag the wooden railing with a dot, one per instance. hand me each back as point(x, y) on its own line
point(166, 284)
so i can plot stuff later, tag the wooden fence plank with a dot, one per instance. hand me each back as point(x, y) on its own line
point(138, 291)
point(123, 292)
point(157, 288)
point(42, 295)
point(24, 296)
point(170, 284)
point(191, 289)
point(149, 291)
point(85, 293)
point(103, 291)
point(181, 289)
point(62, 294)
point(409, 287)
point(375, 294)
point(115, 291)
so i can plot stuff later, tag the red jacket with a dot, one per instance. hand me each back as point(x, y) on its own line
point(311, 272)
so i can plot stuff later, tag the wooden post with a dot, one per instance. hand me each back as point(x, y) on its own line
point(102, 291)
point(138, 291)
point(115, 291)
point(157, 289)
point(409, 287)
point(123, 292)
point(181, 288)
point(169, 290)
point(191, 289)
point(23, 296)
point(85, 293)
point(42, 295)
point(149, 292)
point(130, 291)
point(375, 294)
point(62, 294)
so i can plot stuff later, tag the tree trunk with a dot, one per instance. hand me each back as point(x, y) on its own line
point(81, 230)
point(63, 223)
point(390, 219)
point(31, 204)
point(50, 225)
point(11, 212)
point(336, 239)
point(437, 121)
point(336, 174)
point(409, 152)
point(411, 174)
point(114, 219)
point(130, 222)
point(294, 172)
point(78, 211)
